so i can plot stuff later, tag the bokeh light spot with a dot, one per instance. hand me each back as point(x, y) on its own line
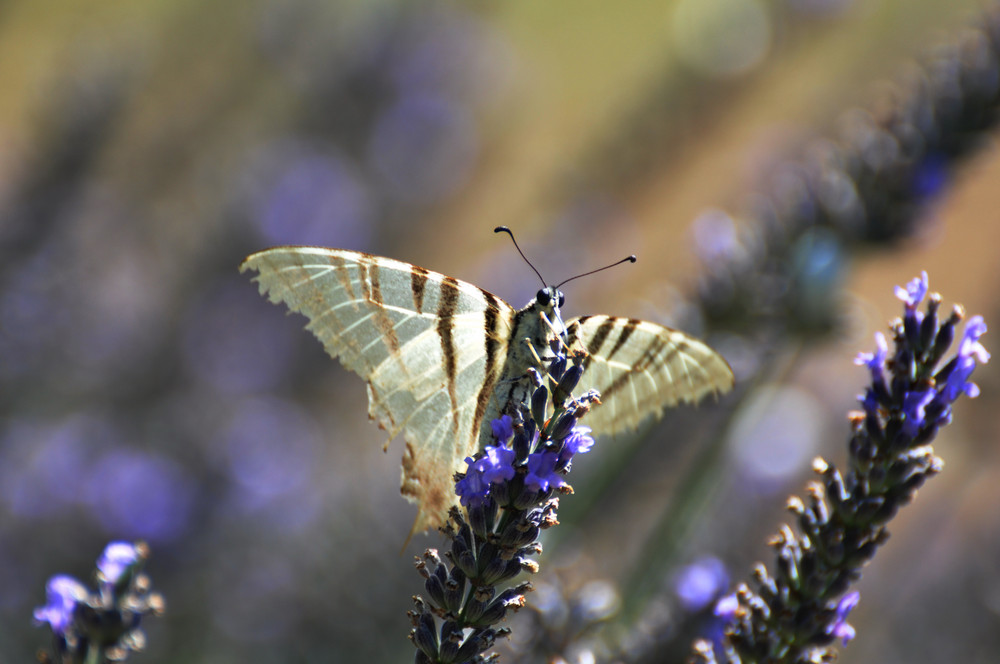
point(721, 37)
point(779, 431)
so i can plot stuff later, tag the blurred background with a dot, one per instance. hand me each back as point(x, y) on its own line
point(777, 165)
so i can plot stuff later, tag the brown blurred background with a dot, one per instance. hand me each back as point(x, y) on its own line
point(148, 392)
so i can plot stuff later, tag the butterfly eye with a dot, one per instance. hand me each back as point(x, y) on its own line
point(562, 299)
point(542, 297)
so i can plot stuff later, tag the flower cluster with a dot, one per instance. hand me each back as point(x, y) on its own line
point(796, 614)
point(509, 495)
point(102, 625)
point(868, 185)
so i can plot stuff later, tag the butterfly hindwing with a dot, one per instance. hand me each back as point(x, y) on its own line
point(640, 368)
point(430, 347)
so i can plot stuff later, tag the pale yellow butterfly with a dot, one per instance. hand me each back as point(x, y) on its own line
point(441, 357)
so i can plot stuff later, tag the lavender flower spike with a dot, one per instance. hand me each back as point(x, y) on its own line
point(797, 612)
point(102, 625)
point(508, 499)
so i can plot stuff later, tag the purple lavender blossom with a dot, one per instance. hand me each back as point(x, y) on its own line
point(577, 442)
point(726, 607)
point(914, 408)
point(473, 488)
point(541, 472)
point(495, 466)
point(116, 559)
point(500, 464)
point(503, 429)
point(63, 594)
point(101, 626)
point(804, 600)
point(875, 361)
point(970, 351)
point(914, 292)
point(839, 629)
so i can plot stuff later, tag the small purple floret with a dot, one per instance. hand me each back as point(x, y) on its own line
point(875, 361)
point(577, 442)
point(473, 488)
point(970, 345)
point(726, 607)
point(63, 594)
point(840, 629)
point(914, 405)
point(541, 472)
point(503, 429)
point(914, 292)
point(499, 466)
point(970, 352)
point(116, 559)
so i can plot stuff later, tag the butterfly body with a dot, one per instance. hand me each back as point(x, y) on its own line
point(442, 356)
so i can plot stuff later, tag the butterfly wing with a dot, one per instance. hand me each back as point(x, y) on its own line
point(430, 347)
point(640, 368)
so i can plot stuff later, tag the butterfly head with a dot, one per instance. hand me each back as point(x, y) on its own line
point(548, 301)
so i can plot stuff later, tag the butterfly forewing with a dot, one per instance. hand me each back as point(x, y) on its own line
point(640, 368)
point(430, 347)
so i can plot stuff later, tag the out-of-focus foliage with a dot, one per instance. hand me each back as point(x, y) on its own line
point(148, 392)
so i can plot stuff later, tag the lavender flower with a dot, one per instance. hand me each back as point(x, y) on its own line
point(797, 612)
point(118, 561)
point(64, 593)
point(508, 495)
point(839, 628)
point(914, 292)
point(104, 625)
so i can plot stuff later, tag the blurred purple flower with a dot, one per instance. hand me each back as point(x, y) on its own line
point(63, 593)
point(140, 495)
point(33, 312)
point(716, 237)
point(970, 345)
point(432, 54)
point(970, 351)
point(875, 361)
point(839, 629)
point(424, 148)
point(307, 196)
point(930, 176)
point(271, 449)
point(700, 583)
point(116, 558)
point(726, 607)
point(914, 405)
point(235, 345)
point(44, 465)
point(448, 51)
point(914, 292)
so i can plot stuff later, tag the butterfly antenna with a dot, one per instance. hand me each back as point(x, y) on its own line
point(630, 259)
point(504, 229)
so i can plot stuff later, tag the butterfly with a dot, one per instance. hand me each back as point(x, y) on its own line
point(441, 356)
